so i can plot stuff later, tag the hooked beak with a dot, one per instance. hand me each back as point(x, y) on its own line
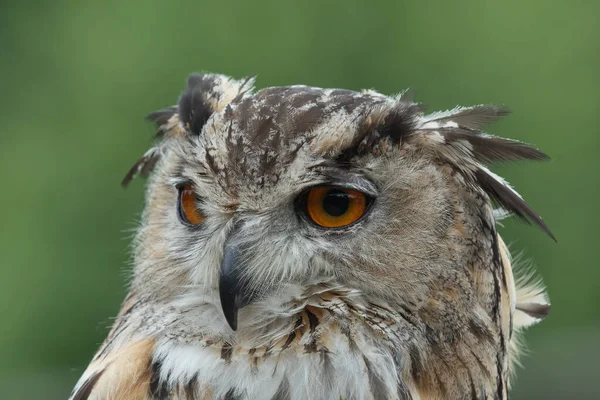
point(232, 289)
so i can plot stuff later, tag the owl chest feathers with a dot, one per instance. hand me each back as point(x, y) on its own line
point(332, 344)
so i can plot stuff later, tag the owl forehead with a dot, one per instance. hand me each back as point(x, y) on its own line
point(258, 137)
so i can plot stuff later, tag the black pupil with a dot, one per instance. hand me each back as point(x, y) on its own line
point(336, 203)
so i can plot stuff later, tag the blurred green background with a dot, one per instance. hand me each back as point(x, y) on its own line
point(77, 78)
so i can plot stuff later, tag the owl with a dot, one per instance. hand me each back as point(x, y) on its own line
point(309, 243)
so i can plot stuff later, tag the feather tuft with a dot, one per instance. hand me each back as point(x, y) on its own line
point(489, 149)
point(501, 192)
point(475, 117)
point(143, 166)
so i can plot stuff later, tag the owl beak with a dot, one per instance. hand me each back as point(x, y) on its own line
point(231, 285)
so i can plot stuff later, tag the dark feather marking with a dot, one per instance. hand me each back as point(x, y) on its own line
point(132, 172)
point(399, 122)
point(161, 117)
point(503, 343)
point(534, 310)
point(395, 125)
point(431, 337)
point(482, 392)
point(194, 107)
point(210, 162)
point(491, 148)
point(345, 329)
point(231, 395)
point(243, 89)
point(509, 200)
point(226, 352)
point(254, 367)
point(497, 258)
point(311, 96)
point(308, 119)
point(407, 316)
point(510, 326)
point(158, 388)
point(311, 346)
point(327, 367)
point(283, 106)
point(378, 389)
point(403, 392)
point(487, 224)
point(283, 391)
point(149, 165)
point(499, 378)
point(497, 298)
point(475, 117)
point(289, 340)
point(268, 350)
point(348, 100)
point(85, 390)
point(292, 335)
point(416, 362)
point(313, 321)
point(481, 332)
point(142, 166)
point(191, 388)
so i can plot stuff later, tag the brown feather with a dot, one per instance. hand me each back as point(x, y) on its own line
point(509, 200)
point(491, 148)
point(475, 117)
point(161, 117)
point(535, 310)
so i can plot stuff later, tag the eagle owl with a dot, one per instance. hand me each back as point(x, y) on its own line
point(309, 243)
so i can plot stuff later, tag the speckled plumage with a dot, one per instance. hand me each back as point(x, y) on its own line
point(416, 300)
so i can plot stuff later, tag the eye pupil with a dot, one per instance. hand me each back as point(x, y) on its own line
point(336, 203)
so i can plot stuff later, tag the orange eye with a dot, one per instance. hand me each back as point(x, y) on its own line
point(188, 208)
point(332, 207)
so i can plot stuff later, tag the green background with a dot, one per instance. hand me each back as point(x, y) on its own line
point(77, 78)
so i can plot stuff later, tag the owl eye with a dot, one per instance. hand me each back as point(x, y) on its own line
point(332, 207)
point(187, 208)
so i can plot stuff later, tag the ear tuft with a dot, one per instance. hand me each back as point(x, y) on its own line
point(143, 166)
point(489, 149)
point(206, 94)
point(475, 117)
point(194, 104)
point(507, 198)
point(162, 117)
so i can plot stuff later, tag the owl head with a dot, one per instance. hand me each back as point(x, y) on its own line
point(255, 197)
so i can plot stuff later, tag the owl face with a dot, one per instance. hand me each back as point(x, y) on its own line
point(259, 196)
point(300, 242)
